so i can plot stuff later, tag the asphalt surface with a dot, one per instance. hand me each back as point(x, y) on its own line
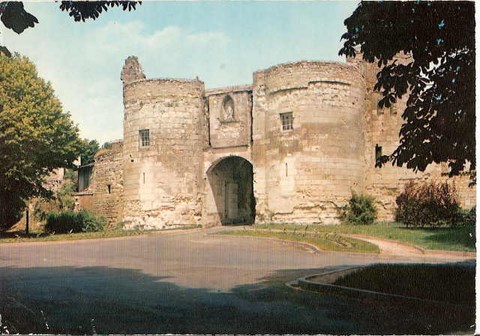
point(195, 282)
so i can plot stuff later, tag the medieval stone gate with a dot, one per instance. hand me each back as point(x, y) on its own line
point(290, 147)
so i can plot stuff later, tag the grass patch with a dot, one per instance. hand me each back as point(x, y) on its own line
point(41, 236)
point(323, 241)
point(21, 237)
point(443, 238)
point(447, 283)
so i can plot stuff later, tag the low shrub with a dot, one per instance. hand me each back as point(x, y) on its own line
point(91, 222)
point(428, 204)
point(467, 217)
point(71, 222)
point(360, 210)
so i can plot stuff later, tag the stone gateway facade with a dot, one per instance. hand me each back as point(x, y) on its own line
point(291, 147)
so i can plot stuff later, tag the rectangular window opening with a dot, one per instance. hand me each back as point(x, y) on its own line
point(287, 121)
point(109, 188)
point(144, 137)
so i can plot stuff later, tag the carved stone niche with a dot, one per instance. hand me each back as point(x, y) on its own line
point(228, 109)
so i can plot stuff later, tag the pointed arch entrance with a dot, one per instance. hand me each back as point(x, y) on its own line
point(231, 182)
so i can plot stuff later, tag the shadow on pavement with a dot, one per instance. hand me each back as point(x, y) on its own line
point(108, 300)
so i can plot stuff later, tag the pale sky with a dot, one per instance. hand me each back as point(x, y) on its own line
point(222, 43)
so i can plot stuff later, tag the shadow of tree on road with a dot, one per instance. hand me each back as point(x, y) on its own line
point(91, 300)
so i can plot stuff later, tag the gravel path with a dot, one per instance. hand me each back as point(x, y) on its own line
point(395, 248)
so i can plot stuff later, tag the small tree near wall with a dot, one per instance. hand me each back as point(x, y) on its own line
point(428, 204)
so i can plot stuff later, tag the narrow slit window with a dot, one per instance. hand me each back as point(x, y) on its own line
point(379, 109)
point(393, 108)
point(378, 153)
point(144, 137)
point(109, 188)
point(287, 121)
point(377, 98)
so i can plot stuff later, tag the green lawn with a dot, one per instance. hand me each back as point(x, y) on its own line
point(40, 236)
point(324, 237)
point(323, 240)
point(456, 239)
point(447, 283)
point(21, 237)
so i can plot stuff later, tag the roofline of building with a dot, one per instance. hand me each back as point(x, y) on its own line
point(287, 64)
point(222, 90)
point(160, 79)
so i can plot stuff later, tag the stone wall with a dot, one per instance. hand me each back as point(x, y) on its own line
point(230, 116)
point(108, 186)
point(382, 127)
point(163, 181)
point(206, 151)
point(387, 182)
point(84, 201)
point(310, 171)
point(467, 194)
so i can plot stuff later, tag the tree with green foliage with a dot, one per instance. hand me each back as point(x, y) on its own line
point(439, 80)
point(88, 150)
point(35, 136)
point(14, 16)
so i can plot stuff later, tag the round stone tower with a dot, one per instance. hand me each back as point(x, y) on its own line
point(163, 142)
point(308, 121)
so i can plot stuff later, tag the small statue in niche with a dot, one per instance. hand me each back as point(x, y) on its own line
point(228, 111)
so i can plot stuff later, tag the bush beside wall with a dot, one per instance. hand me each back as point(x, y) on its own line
point(72, 222)
point(428, 204)
point(360, 210)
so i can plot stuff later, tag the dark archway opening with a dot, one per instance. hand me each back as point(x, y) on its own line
point(231, 181)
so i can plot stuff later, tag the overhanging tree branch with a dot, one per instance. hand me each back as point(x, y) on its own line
point(439, 78)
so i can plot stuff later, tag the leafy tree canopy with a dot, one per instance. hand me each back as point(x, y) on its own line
point(14, 16)
point(439, 79)
point(88, 150)
point(35, 136)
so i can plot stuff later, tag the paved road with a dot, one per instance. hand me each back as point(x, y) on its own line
point(191, 282)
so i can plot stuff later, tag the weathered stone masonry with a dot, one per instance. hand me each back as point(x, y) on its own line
point(108, 187)
point(291, 147)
